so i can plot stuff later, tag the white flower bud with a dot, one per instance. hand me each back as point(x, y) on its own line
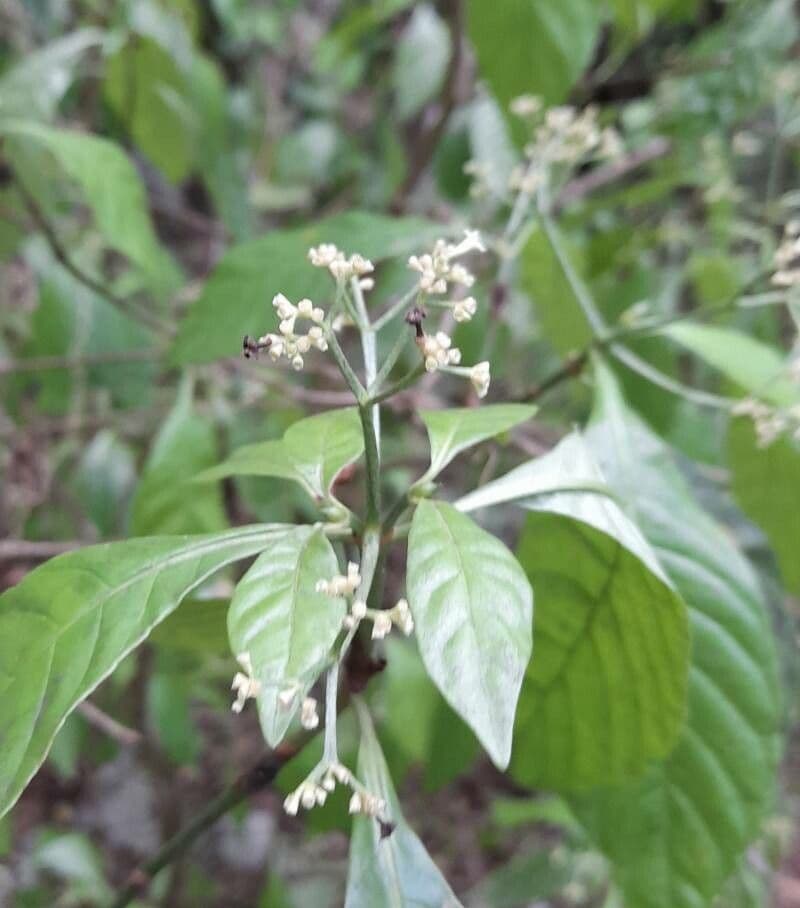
point(297, 362)
point(305, 308)
point(381, 625)
point(355, 803)
point(480, 377)
point(309, 718)
point(309, 796)
point(359, 609)
point(292, 803)
point(286, 697)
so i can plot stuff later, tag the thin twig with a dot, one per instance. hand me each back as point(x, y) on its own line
point(254, 780)
point(27, 550)
point(610, 173)
point(51, 363)
point(126, 306)
point(108, 726)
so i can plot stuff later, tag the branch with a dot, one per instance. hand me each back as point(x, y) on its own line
point(25, 550)
point(50, 363)
point(596, 179)
point(126, 306)
point(256, 779)
point(110, 727)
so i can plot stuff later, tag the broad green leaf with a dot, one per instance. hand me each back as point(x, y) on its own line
point(237, 298)
point(567, 468)
point(753, 365)
point(394, 871)
point(452, 431)
point(532, 46)
point(322, 445)
point(35, 86)
point(104, 481)
point(166, 501)
point(312, 452)
point(200, 627)
point(69, 623)
point(286, 627)
point(606, 693)
point(473, 609)
point(113, 191)
point(676, 835)
point(604, 610)
point(563, 323)
point(766, 483)
point(420, 61)
point(146, 89)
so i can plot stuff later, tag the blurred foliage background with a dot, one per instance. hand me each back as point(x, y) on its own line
point(164, 166)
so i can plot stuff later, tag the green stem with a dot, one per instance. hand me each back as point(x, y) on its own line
point(395, 309)
point(408, 379)
point(372, 457)
point(389, 362)
point(359, 392)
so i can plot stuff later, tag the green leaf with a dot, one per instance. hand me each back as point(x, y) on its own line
point(396, 870)
point(67, 625)
point(113, 191)
point(604, 610)
point(569, 467)
point(563, 323)
point(420, 61)
point(146, 89)
point(753, 365)
point(313, 452)
point(766, 483)
point(475, 653)
point(452, 431)
point(532, 46)
point(35, 86)
point(286, 627)
point(166, 501)
point(237, 298)
point(675, 835)
point(200, 627)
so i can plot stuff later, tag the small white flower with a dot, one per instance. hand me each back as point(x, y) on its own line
point(480, 377)
point(297, 362)
point(366, 283)
point(358, 609)
point(463, 310)
point(340, 585)
point(292, 803)
point(381, 625)
point(324, 255)
point(341, 773)
point(309, 717)
point(308, 798)
point(246, 686)
point(355, 803)
point(438, 351)
point(286, 697)
point(401, 616)
point(305, 308)
point(526, 106)
point(361, 266)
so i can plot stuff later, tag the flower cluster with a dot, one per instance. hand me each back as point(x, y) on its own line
point(438, 351)
point(437, 268)
point(314, 791)
point(769, 422)
point(787, 257)
point(326, 255)
point(560, 137)
point(246, 686)
point(341, 585)
point(287, 342)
